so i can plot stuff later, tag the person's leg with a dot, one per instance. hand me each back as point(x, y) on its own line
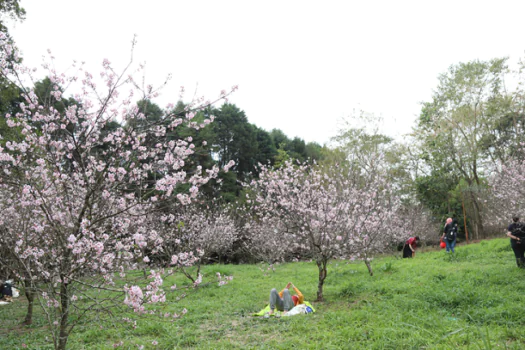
point(516, 248)
point(448, 245)
point(452, 245)
point(275, 301)
point(287, 301)
point(407, 253)
point(522, 255)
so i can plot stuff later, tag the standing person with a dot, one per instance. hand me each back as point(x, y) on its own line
point(450, 233)
point(283, 300)
point(515, 231)
point(409, 250)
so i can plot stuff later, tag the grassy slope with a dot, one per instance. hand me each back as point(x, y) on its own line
point(471, 301)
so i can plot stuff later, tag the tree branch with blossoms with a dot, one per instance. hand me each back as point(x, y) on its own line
point(86, 187)
point(318, 212)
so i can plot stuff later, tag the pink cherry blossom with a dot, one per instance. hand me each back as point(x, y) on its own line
point(76, 205)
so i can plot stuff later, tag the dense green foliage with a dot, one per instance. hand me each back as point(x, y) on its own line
point(472, 126)
point(468, 301)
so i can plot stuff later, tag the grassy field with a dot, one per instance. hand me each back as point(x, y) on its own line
point(473, 300)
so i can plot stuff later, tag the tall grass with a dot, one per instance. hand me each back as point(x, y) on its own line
point(471, 300)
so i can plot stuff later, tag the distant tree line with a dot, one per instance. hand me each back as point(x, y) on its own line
point(231, 137)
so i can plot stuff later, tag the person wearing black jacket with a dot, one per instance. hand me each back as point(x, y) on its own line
point(6, 290)
point(450, 234)
point(516, 232)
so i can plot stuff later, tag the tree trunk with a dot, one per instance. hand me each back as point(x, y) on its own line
point(64, 315)
point(321, 265)
point(477, 217)
point(30, 295)
point(367, 263)
point(464, 217)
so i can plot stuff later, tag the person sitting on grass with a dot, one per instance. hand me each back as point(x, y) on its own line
point(283, 300)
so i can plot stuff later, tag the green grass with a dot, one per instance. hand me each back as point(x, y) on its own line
point(473, 300)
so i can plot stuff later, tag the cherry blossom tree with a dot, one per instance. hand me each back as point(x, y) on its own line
point(17, 216)
point(379, 231)
point(192, 235)
point(321, 213)
point(418, 221)
point(266, 237)
point(87, 187)
point(507, 195)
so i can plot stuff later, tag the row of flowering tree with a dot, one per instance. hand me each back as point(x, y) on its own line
point(507, 195)
point(320, 213)
point(76, 194)
point(192, 235)
point(91, 188)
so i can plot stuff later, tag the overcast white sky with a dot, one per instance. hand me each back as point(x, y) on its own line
point(301, 66)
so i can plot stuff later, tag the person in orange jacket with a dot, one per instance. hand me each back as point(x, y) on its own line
point(283, 300)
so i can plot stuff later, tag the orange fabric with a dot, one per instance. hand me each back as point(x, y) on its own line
point(300, 297)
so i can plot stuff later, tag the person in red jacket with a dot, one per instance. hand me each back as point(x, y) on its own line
point(409, 250)
point(283, 300)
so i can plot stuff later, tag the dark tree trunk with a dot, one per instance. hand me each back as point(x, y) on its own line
point(478, 221)
point(64, 315)
point(30, 295)
point(321, 265)
point(369, 267)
